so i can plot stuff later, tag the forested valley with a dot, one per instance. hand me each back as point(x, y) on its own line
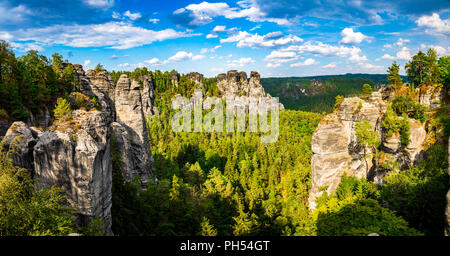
point(230, 183)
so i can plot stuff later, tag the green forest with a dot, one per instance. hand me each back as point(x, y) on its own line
point(225, 184)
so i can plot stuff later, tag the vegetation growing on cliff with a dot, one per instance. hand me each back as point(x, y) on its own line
point(32, 81)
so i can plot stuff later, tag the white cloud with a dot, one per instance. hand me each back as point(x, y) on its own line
point(240, 62)
point(204, 12)
point(372, 68)
point(5, 36)
point(220, 29)
point(321, 49)
point(358, 58)
point(182, 55)
point(86, 64)
point(439, 49)
point(99, 3)
point(154, 20)
point(404, 54)
point(211, 36)
point(116, 15)
point(351, 37)
point(132, 16)
point(307, 62)
point(25, 47)
point(255, 27)
point(212, 50)
point(434, 24)
point(387, 57)
point(270, 40)
point(275, 58)
point(198, 57)
point(15, 14)
point(330, 65)
point(116, 35)
point(401, 42)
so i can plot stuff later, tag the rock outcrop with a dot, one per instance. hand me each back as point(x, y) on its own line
point(430, 96)
point(76, 154)
point(77, 157)
point(132, 136)
point(148, 98)
point(20, 140)
point(195, 77)
point(235, 84)
point(336, 149)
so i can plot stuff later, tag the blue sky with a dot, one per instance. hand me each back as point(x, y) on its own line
point(276, 38)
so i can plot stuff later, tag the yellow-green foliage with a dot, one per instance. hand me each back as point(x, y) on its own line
point(25, 211)
point(339, 100)
point(395, 124)
point(62, 109)
point(353, 211)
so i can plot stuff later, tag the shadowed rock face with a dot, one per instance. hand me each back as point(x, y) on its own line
point(132, 135)
point(336, 149)
point(196, 77)
point(175, 77)
point(76, 154)
point(21, 140)
point(78, 159)
point(147, 98)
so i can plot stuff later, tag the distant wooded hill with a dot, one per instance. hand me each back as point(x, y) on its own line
point(317, 93)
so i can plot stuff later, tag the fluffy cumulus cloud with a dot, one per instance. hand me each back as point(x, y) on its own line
point(99, 3)
point(401, 42)
point(194, 15)
point(351, 37)
point(404, 54)
point(13, 14)
point(86, 64)
point(177, 57)
point(307, 62)
point(116, 35)
point(361, 12)
point(240, 62)
point(440, 50)
point(326, 50)
point(275, 58)
point(387, 57)
point(434, 24)
point(270, 40)
point(132, 16)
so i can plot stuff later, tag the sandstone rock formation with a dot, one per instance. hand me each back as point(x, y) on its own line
point(430, 96)
point(132, 136)
point(20, 139)
point(336, 149)
point(76, 154)
point(235, 84)
point(196, 77)
point(148, 98)
point(77, 157)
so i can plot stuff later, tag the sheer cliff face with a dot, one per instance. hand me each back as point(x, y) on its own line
point(76, 154)
point(336, 150)
point(235, 83)
point(130, 130)
point(77, 157)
